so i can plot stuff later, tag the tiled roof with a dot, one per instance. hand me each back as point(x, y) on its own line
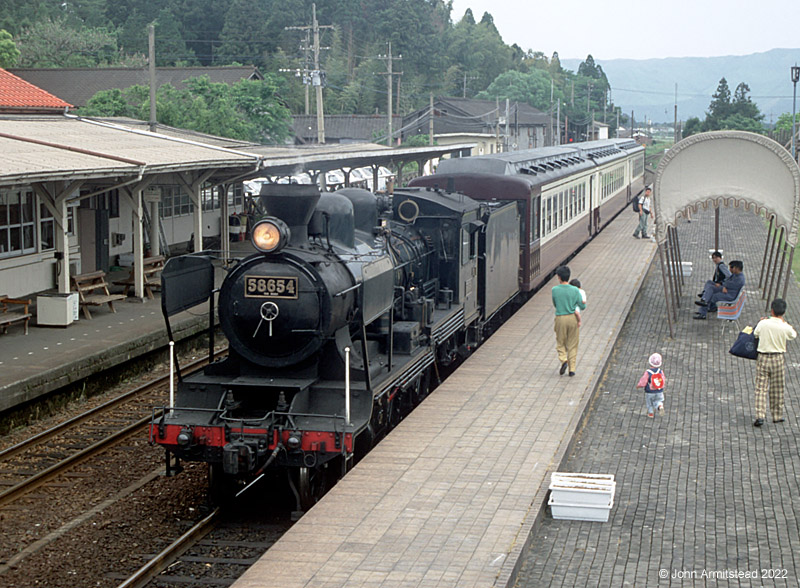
point(79, 84)
point(467, 115)
point(344, 128)
point(17, 95)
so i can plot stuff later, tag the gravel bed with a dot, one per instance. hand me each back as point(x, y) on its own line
point(116, 541)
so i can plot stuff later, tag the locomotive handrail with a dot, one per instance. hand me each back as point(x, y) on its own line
point(345, 291)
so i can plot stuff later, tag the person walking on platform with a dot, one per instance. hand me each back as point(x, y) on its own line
point(728, 292)
point(568, 304)
point(652, 381)
point(645, 210)
point(772, 333)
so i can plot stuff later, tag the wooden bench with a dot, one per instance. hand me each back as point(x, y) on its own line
point(87, 284)
point(151, 267)
point(730, 310)
point(11, 316)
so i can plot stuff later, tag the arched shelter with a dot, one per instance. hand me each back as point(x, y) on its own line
point(728, 169)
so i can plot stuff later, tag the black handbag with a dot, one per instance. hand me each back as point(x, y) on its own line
point(746, 345)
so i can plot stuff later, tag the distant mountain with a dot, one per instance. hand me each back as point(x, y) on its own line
point(647, 86)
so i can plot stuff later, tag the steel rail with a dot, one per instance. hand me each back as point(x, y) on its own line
point(16, 491)
point(33, 482)
point(172, 552)
point(77, 420)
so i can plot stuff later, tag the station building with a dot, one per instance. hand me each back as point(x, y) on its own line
point(82, 194)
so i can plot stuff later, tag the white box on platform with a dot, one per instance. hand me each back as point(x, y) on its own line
point(56, 310)
point(581, 496)
point(580, 512)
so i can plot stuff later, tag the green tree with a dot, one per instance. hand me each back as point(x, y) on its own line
point(108, 103)
point(720, 107)
point(532, 88)
point(739, 122)
point(53, 43)
point(742, 104)
point(248, 110)
point(784, 122)
point(245, 36)
point(692, 126)
point(9, 54)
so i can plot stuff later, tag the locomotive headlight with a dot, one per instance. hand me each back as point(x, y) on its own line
point(270, 235)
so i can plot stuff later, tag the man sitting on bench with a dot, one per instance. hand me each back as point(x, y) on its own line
point(728, 291)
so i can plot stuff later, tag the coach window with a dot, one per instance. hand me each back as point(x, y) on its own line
point(549, 223)
point(535, 215)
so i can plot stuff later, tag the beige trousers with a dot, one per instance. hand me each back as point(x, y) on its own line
point(567, 337)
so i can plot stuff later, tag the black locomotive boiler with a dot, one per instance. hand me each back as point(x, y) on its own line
point(337, 327)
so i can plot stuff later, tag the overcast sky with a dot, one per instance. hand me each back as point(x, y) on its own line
point(642, 30)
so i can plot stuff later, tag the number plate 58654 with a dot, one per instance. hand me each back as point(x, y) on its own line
point(270, 287)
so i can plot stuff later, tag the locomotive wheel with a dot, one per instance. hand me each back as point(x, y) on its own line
point(311, 486)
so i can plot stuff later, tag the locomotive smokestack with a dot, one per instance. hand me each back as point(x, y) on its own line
point(293, 204)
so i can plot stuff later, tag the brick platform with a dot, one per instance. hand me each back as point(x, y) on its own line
point(700, 492)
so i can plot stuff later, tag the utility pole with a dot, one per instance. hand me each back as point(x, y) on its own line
point(316, 77)
point(389, 73)
point(507, 144)
point(558, 122)
point(151, 47)
point(306, 47)
point(618, 122)
point(675, 124)
point(552, 134)
point(318, 81)
point(430, 123)
point(497, 125)
point(464, 91)
point(588, 98)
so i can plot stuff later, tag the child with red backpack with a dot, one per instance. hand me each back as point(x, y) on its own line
point(652, 381)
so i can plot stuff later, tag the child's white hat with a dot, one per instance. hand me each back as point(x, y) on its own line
point(655, 360)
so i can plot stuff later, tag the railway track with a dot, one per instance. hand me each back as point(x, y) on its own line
point(215, 551)
point(47, 455)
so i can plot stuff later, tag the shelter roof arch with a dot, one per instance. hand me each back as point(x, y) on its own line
point(727, 168)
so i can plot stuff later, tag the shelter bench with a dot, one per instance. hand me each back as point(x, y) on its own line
point(151, 267)
point(87, 284)
point(11, 316)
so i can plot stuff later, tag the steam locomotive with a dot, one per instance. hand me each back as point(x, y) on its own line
point(352, 308)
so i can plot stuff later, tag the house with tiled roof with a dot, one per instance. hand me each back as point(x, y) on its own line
point(79, 84)
point(493, 126)
point(20, 97)
point(344, 128)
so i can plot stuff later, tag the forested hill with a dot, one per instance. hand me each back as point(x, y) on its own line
point(647, 86)
point(433, 50)
point(438, 55)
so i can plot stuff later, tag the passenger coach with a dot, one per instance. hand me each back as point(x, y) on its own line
point(564, 194)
